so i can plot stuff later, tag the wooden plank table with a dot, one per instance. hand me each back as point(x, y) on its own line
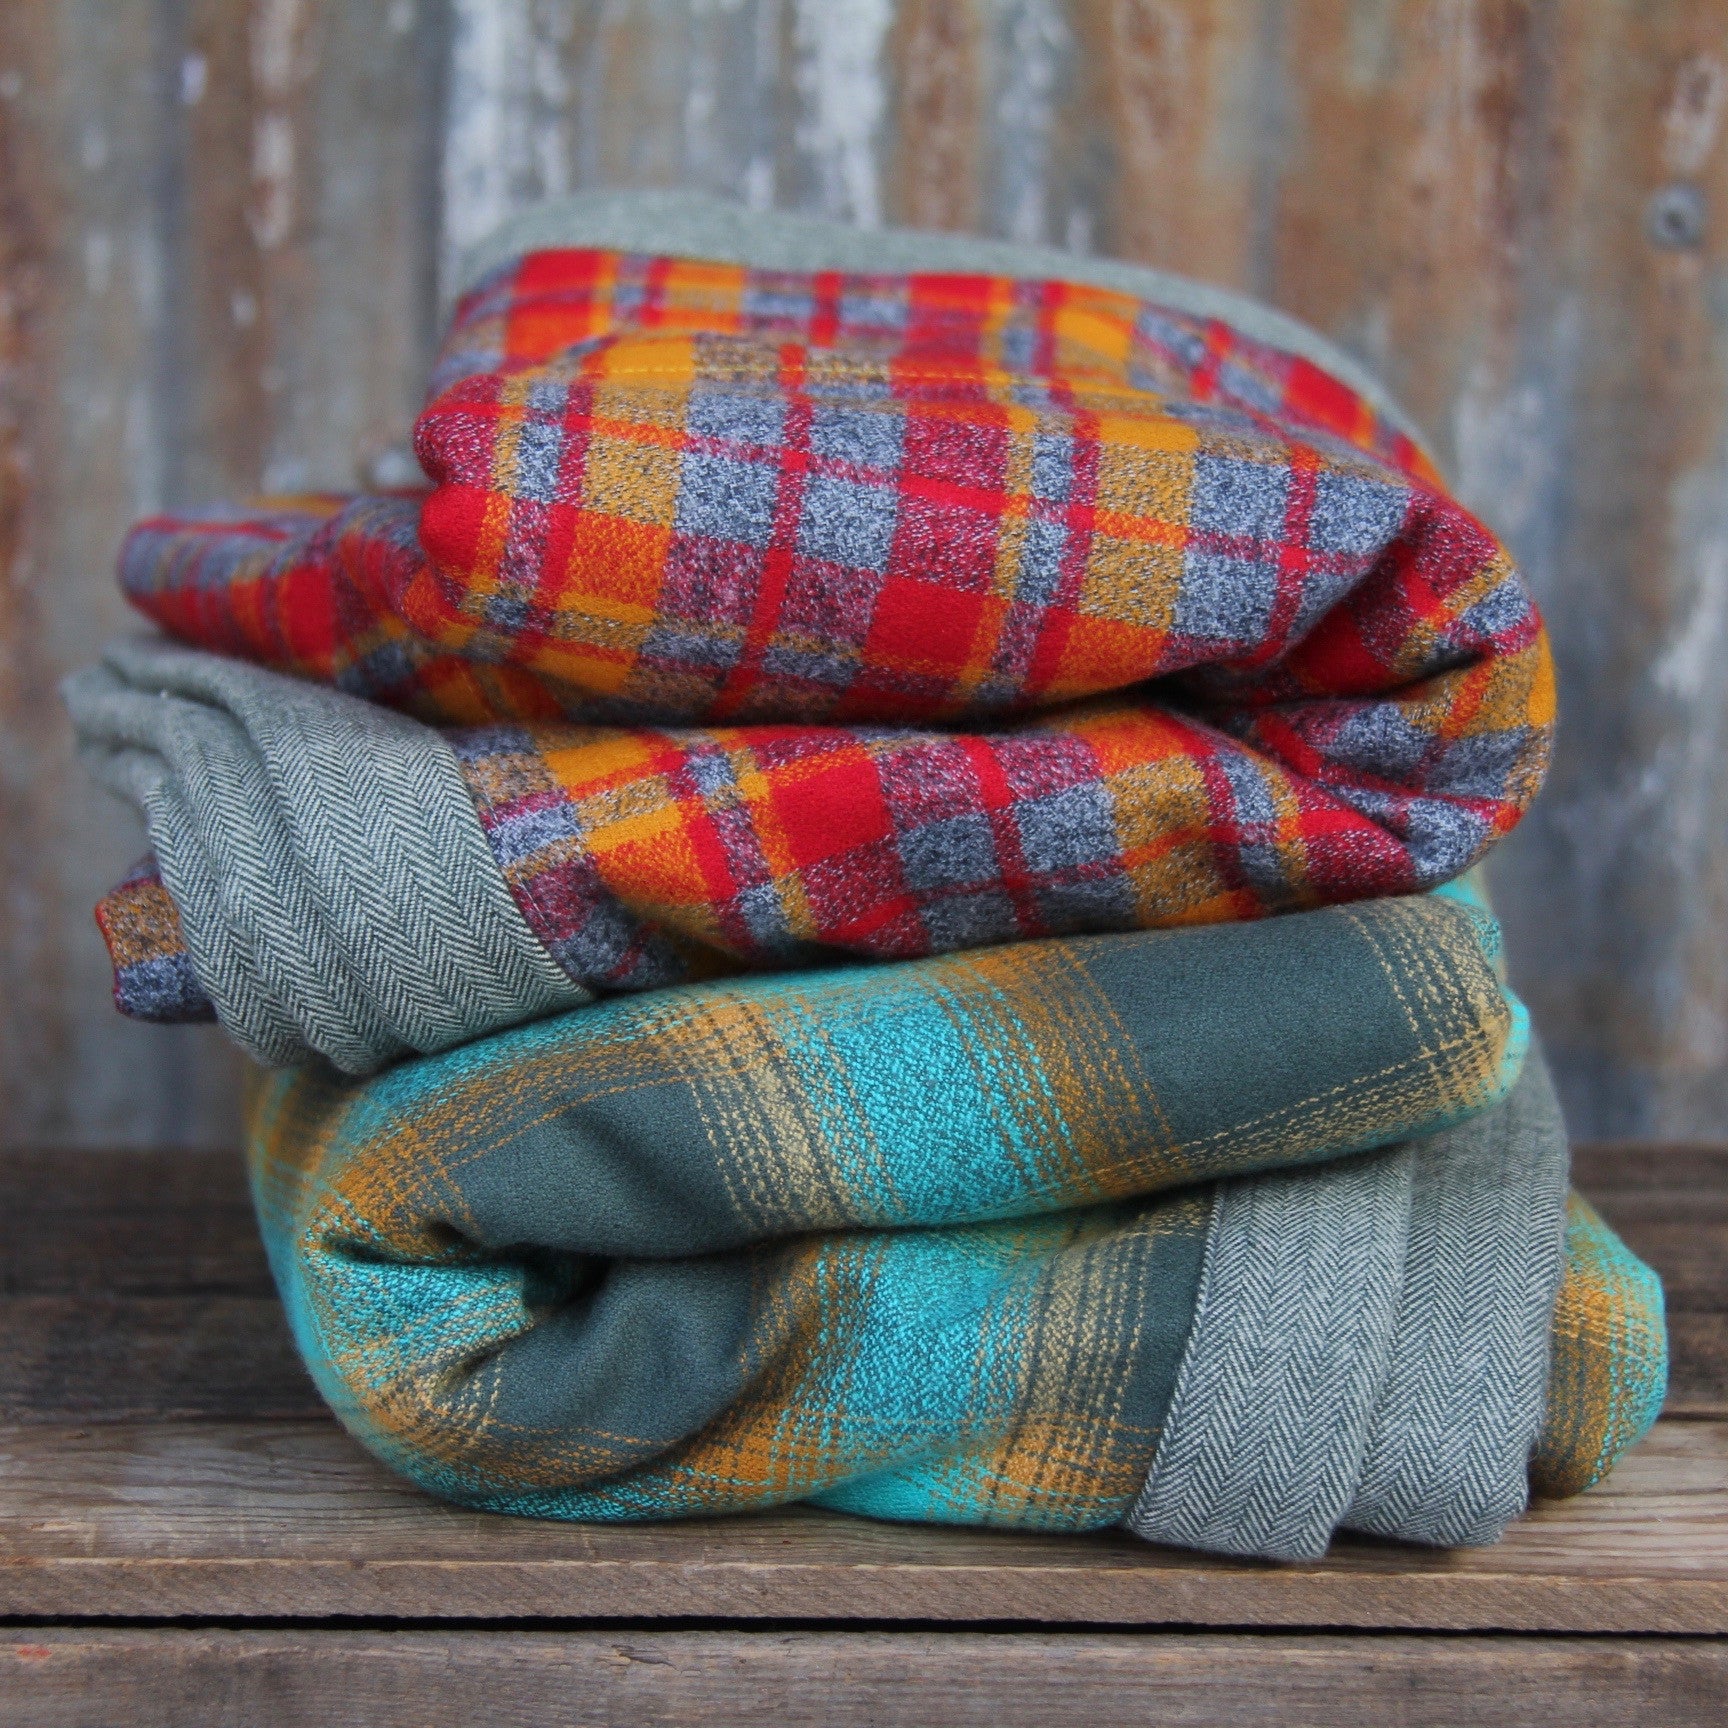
point(185, 1536)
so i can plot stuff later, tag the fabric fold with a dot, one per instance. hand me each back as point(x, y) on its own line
point(335, 891)
point(1371, 1345)
point(1609, 1372)
point(324, 854)
point(1293, 1322)
point(675, 492)
point(867, 1234)
point(749, 1249)
point(776, 613)
point(663, 220)
point(1451, 1438)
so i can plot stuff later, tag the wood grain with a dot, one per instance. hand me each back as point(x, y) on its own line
point(58, 1678)
point(289, 1518)
point(149, 1358)
point(937, 132)
point(134, 1288)
point(158, 1223)
point(31, 929)
point(1498, 160)
point(218, 242)
point(80, 316)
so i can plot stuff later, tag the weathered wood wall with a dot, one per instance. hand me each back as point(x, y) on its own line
point(223, 224)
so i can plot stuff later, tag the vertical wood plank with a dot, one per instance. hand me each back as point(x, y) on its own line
point(85, 290)
point(1635, 821)
point(937, 77)
point(1177, 96)
point(220, 237)
point(29, 1039)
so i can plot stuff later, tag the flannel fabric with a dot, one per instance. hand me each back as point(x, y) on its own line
point(674, 224)
point(766, 612)
point(154, 978)
point(640, 857)
point(1610, 1371)
point(671, 491)
point(918, 1241)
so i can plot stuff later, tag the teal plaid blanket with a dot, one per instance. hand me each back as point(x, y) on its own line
point(988, 1238)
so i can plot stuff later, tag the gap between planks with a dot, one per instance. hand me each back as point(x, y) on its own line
point(232, 1521)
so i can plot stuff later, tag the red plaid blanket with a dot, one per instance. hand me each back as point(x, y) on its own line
point(668, 493)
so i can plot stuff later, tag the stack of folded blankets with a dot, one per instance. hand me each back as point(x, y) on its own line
point(869, 901)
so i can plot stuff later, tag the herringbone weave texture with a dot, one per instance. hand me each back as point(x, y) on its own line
point(334, 892)
point(1371, 1345)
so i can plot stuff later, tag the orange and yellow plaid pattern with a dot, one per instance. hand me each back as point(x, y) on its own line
point(1220, 644)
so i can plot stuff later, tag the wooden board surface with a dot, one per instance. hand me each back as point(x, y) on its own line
point(68, 1679)
point(293, 1520)
point(221, 227)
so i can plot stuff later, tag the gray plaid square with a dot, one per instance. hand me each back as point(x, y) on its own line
point(970, 920)
point(1096, 903)
point(1354, 514)
point(949, 854)
point(1040, 571)
point(725, 499)
point(1224, 599)
point(539, 454)
point(1499, 611)
point(1066, 829)
point(1245, 500)
point(847, 523)
point(859, 439)
point(1052, 466)
point(736, 419)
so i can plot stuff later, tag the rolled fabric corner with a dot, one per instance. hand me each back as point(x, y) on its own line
point(153, 974)
point(1610, 1367)
point(524, 1279)
point(335, 893)
point(658, 1238)
point(1448, 1450)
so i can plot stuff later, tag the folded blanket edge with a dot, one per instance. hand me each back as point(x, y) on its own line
point(662, 221)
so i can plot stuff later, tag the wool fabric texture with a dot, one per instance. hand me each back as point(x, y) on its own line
point(672, 492)
point(623, 858)
point(784, 596)
point(1371, 1344)
point(934, 1241)
point(338, 893)
point(335, 893)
